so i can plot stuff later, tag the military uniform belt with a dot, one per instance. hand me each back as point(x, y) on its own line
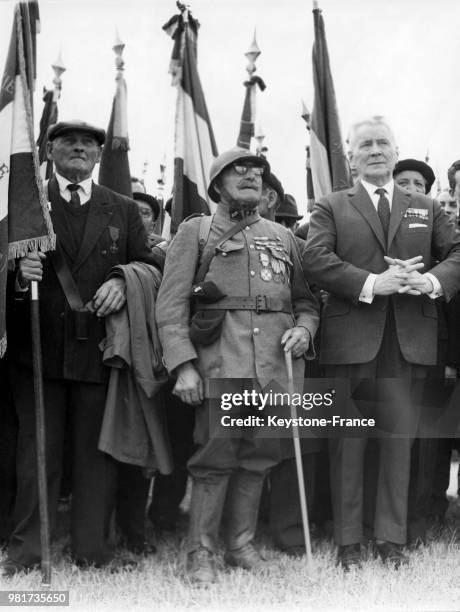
point(258, 303)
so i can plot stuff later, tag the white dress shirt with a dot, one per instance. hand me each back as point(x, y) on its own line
point(84, 188)
point(367, 292)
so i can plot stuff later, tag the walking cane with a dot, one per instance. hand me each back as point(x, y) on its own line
point(40, 436)
point(298, 459)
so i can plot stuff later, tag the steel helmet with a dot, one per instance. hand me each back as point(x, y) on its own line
point(228, 157)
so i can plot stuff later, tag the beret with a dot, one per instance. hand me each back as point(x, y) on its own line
point(417, 166)
point(148, 199)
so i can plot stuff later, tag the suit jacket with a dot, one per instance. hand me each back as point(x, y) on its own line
point(346, 242)
point(113, 235)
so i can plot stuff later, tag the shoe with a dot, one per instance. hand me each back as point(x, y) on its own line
point(392, 554)
point(140, 548)
point(349, 556)
point(200, 567)
point(245, 557)
point(10, 568)
point(121, 563)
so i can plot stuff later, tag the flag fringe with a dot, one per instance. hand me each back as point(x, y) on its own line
point(2, 345)
point(50, 239)
point(20, 248)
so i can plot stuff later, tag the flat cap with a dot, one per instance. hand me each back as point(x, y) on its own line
point(288, 208)
point(417, 166)
point(63, 127)
point(150, 200)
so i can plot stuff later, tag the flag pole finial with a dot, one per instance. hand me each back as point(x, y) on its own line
point(118, 48)
point(58, 69)
point(252, 54)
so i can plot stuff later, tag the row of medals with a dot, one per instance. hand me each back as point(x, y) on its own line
point(273, 258)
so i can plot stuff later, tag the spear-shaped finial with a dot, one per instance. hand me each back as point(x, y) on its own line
point(58, 69)
point(427, 156)
point(118, 48)
point(305, 114)
point(252, 54)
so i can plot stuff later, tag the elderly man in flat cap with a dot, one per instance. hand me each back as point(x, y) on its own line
point(252, 304)
point(96, 229)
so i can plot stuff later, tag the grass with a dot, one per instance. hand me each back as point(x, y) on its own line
point(430, 582)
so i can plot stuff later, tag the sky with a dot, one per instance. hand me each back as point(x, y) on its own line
point(397, 58)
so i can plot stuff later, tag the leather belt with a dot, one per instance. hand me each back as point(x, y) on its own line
point(258, 303)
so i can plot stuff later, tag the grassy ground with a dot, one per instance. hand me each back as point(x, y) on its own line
point(430, 582)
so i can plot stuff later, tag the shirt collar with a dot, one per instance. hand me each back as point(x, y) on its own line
point(370, 188)
point(85, 185)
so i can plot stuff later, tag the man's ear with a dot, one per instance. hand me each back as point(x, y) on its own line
point(49, 149)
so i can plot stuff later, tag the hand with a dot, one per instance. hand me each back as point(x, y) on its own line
point(417, 284)
point(30, 268)
point(395, 278)
point(189, 385)
point(110, 297)
point(296, 340)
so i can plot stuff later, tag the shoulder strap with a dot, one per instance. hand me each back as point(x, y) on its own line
point(205, 228)
point(66, 280)
point(210, 253)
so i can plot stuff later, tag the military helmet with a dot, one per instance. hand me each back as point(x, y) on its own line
point(229, 157)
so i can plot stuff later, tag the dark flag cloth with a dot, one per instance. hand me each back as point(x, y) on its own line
point(249, 112)
point(329, 165)
point(310, 190)
point(49, 117)
point(25, 224)
point(114, 170)
point(195, 146)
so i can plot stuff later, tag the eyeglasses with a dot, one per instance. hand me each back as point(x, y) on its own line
point(243, 169)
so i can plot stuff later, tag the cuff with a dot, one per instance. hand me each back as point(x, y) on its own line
point(367, 292)
point(437, 289)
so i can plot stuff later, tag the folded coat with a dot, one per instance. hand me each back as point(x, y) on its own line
point(134, 427)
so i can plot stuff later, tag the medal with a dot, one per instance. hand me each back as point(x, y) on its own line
point(114, 235)
point(264, 259)
point(266, 274)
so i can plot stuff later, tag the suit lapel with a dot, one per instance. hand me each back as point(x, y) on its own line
point(360, 199)
point(99, 214)
point(401, 201)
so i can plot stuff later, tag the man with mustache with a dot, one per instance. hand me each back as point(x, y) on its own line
point(251, 305)
point(96, 229)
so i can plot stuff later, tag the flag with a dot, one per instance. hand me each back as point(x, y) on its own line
point(25, 224)
point(114, 170)
point(195, 146)
point(49, 117)
point(329, 165)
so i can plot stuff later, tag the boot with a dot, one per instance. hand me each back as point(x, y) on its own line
point(242, 509)
point(208, 496)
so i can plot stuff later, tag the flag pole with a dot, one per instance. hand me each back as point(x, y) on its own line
point(306, 116)
point(40, 436)
point(298, 460)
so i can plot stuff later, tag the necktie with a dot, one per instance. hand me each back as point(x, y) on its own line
point(74, 197)
point(383, 210)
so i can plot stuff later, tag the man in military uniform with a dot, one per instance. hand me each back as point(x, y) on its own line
point(255, 305)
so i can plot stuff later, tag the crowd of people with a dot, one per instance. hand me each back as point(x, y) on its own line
point(137, 331)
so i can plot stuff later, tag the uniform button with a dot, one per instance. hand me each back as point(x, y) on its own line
point(256, 331)
point(252, 273)
point(224, 254)
point(247, 228)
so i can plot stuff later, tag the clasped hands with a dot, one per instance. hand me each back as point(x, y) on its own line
point(403, 276)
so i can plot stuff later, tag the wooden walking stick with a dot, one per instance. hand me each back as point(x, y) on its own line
point(298, 460)
point(40, 435)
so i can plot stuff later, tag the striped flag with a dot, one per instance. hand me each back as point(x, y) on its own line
point(49, 116)
point(195, 146)
point(25, 224)
point(329, 164)
point(114, 170)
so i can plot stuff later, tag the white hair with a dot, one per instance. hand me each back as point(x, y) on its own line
point(372, 121)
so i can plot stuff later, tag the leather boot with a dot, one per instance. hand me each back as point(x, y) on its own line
point(241, 510)
point(208, 496)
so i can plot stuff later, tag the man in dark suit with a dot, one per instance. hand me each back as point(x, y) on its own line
point(365, 247)
point(96, 229)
